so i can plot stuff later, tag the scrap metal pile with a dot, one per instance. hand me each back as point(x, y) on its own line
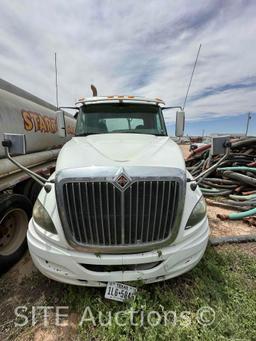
point(233, 184)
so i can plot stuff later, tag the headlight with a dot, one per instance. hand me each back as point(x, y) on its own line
point(42, 218)
point(198, 214)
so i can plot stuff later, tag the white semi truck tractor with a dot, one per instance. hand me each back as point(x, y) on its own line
point(23, 113)
point(121, 205)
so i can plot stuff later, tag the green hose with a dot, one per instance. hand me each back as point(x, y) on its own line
point(242, 197)
point(241, 203)
point(238, 168)
point(244, 142)
point(241, 215)
point(212, 190)
point(241, 177)
point(214, 185)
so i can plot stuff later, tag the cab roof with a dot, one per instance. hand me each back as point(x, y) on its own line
point(118, 99)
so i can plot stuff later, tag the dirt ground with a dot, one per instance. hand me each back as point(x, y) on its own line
point(220, 228)
point(23, 285)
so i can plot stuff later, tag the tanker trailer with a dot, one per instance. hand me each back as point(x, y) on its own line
point(24, 113)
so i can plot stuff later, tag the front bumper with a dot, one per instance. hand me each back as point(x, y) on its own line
point(65, 265)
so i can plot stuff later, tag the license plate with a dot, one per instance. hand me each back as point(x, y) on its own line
point(119, 292)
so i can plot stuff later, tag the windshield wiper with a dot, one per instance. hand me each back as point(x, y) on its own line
point(123, 132)
point(87, 134)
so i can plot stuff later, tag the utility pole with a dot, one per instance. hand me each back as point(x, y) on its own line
point(248, 121)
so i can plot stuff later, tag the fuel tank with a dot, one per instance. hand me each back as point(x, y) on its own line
point(24, 113)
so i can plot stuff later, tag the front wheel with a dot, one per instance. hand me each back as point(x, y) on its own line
point(15, 212)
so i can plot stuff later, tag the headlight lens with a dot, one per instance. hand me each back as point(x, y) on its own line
point(198, 213)
point(42, 218)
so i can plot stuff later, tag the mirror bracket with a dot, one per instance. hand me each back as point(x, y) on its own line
point(61, 123)
point(16, 144)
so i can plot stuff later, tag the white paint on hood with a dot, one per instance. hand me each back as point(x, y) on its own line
point(120, 150)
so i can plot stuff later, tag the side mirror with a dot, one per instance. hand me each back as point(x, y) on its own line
point(61, 123)
point(180, 123)
point(15, 143)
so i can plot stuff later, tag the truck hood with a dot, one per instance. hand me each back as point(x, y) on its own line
point(120, 150)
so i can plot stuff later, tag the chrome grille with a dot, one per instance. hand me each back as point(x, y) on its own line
point(100, 214)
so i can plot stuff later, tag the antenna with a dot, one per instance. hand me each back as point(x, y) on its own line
point(192, 74)
point(56, 80)
point(248, 121)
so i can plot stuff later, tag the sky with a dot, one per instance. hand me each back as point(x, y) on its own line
point(141, 47)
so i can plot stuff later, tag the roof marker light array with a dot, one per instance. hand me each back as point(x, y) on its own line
point(116, 98)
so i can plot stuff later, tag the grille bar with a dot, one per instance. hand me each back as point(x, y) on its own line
point(155, 213)
point(161, 210)
point(68, 201)
point(88, 212)
point(114, 213)
point(143, 211)
point(137, 210)
point(76, 214)
point(99, 214)
point(168, 202)
point(130, 220)
point(149, 209)
point(107, 214)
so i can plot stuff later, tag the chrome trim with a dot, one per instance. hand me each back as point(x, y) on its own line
point(101, 213)
point(122, 173)
point(81, 207)
point(143, 211)
point(109, 233)
point(161, 214)
point(108, 175)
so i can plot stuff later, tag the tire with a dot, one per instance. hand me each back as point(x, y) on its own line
point(15, 212)
point(29, 188)
point(35, 190)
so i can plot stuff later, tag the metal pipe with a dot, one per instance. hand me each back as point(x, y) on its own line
point(211, 169)
point(38, 178)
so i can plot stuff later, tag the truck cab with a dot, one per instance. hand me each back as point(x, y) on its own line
point(120, 207)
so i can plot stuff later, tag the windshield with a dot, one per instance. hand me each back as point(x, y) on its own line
point(120, 118)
